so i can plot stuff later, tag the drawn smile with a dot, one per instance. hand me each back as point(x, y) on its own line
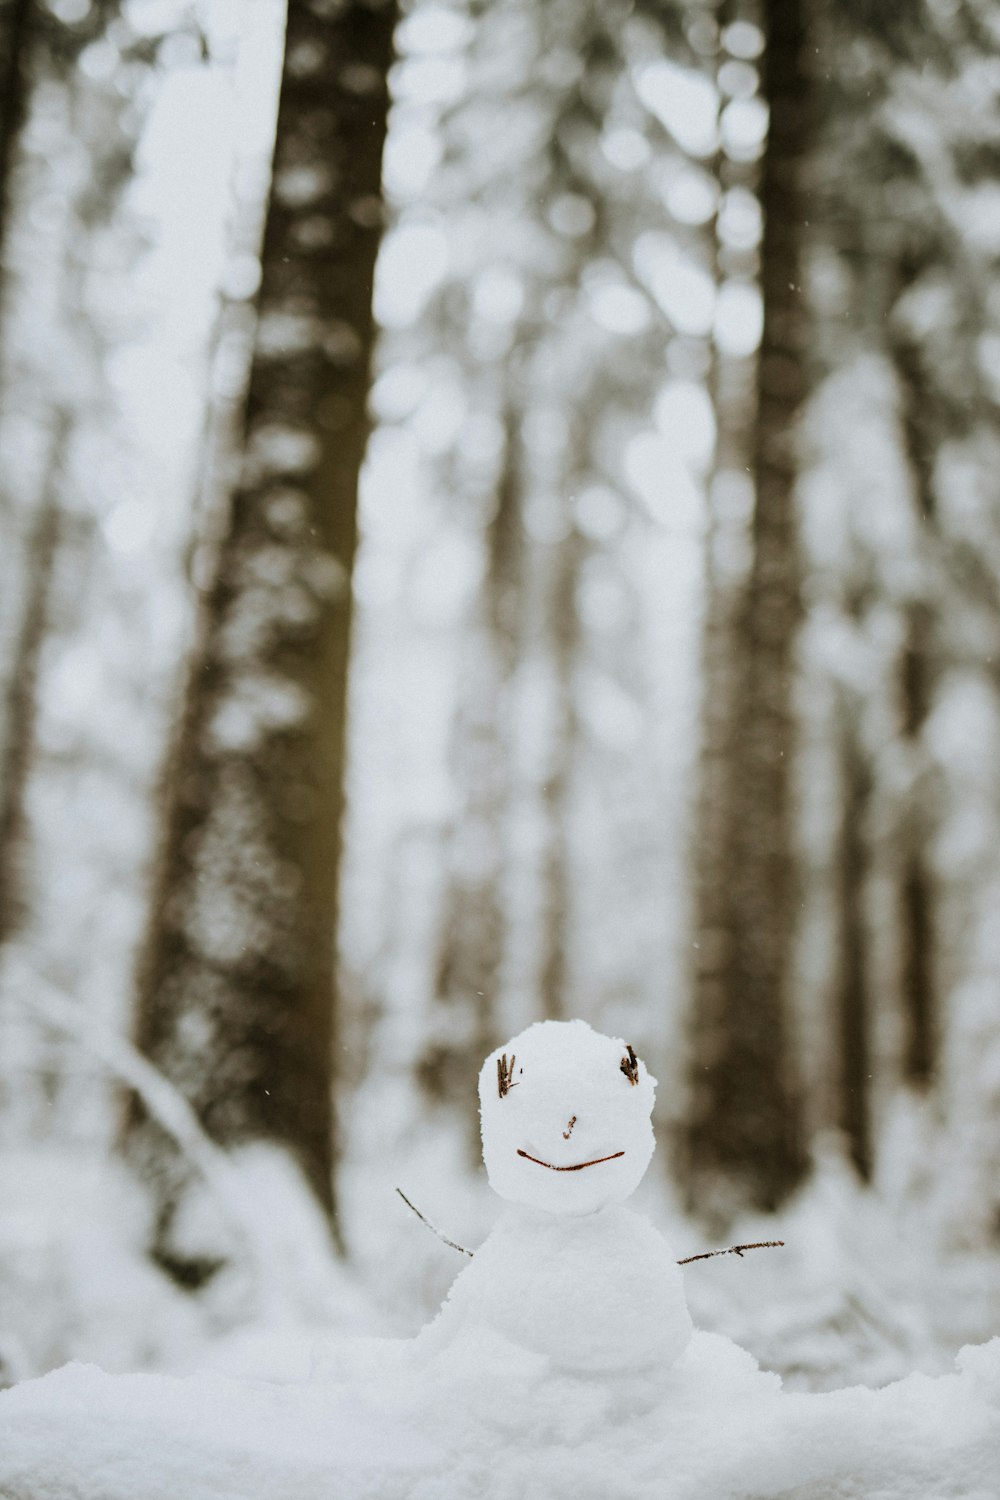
point(577, 1167)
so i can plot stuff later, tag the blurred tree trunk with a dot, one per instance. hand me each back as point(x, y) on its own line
point(33, 41)
point(726, 558)
point(746, 1136)
point(237, 989)
point(37, 50)
point(20, 708)
point(472, 940)
point(564, 634)
point(916, 885)
point(922, 428)
point(853, 996)
point(15, 16)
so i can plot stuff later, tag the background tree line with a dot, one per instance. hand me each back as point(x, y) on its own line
point(662, 686)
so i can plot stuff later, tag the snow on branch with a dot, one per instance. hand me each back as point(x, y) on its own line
point(164, 1103)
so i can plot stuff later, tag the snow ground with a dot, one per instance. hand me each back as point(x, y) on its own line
point(488, 1421)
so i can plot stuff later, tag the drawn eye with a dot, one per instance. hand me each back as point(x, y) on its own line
point(505, 1075)
point(630, 1066)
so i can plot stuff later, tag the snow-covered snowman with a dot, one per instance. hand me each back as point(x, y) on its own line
point(567, 1272)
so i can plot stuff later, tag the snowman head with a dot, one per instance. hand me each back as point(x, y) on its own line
point(566, 1118)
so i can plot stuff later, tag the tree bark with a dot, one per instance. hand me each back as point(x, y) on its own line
point(853, 996)
point(746, 1134)
point(237, 988)
point(924, 427)
point(917, 903)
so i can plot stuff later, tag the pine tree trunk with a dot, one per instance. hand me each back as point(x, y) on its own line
point(916, 881)
point(746, 1134)
point(853, 997)
point(922, 429)
point(237, 991)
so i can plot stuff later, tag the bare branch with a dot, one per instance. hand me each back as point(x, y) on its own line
point(460, 1248)
point(705, 1254)
point(731, 1250)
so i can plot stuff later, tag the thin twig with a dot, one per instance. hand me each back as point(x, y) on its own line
point(705, 1254)
point(460, 1248)
point(577, 1168)
point(731, 1250)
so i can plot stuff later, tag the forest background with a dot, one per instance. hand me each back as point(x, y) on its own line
point(500, 520)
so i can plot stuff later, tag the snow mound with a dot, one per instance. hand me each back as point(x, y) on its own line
point(484, 1419)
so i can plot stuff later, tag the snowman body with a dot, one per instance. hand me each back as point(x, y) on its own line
point(593, 1294)
point(568, 1273)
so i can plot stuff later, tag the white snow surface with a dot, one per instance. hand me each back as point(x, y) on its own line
point(562, 1365)
point(486, 1419)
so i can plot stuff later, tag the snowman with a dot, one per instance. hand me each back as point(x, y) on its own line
point(568, 1273)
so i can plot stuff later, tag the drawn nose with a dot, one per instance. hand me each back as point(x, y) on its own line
point(569, 1128)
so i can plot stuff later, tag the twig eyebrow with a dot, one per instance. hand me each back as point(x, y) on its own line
point(505, 1074)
